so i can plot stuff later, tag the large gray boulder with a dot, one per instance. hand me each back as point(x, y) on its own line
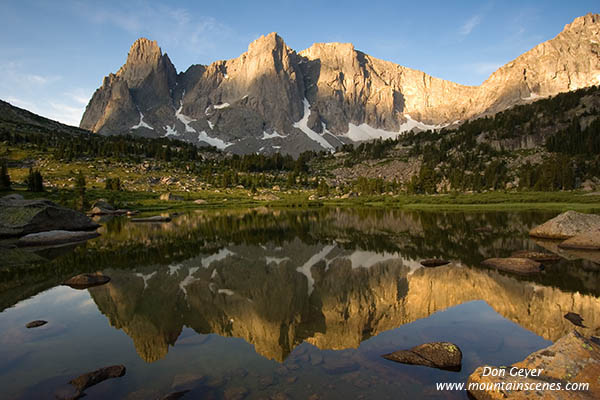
point(566, 225)
point(20, 217)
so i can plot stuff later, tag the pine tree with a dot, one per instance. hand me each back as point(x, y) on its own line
point(4, 178)
point(80, 189)
point(35, 181)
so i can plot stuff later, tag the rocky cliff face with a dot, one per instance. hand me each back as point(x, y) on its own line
point(272, 99)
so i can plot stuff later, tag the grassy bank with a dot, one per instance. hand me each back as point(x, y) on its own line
point(147, 201)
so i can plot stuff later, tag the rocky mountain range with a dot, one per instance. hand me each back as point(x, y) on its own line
point(274, 99)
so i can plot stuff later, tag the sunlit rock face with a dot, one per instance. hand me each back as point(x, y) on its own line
point(274, 99)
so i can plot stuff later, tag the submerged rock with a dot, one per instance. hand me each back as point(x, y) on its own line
point(90, 379)
point(85, 281)
point(20, 217)
point(513, 264)
point(538, 256)
point(434, 262)
point(575, 319)
point(566, 225)
point(573, 358)
point(442, 355)
point(235, 393)
point(36, 323)
point(175, 395)
point(52, 238)
point(584, 241)
point(156, 218)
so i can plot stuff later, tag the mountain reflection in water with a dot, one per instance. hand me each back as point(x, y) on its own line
point(332, 278)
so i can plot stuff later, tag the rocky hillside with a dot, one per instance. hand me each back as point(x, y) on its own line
point(15, 119)
point(549, 144)
point(274, 99)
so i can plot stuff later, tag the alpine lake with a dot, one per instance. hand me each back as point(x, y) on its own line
point(284, 304)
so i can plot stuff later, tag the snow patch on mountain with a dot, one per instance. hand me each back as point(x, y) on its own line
point(142, 124)
point(185, 120)
point(221, 106)
point(171, 131)
point(411, 124)
point(303, 126)
point(363, 132)
point(272, 135)
point(218, 143)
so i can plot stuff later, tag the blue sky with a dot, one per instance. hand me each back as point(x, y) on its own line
point(55, 53)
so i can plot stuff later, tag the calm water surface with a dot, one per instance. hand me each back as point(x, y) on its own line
point(284, 304)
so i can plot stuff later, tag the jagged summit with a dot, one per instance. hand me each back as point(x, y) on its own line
point(273, 99)
point(144, 51)
point(589, 19)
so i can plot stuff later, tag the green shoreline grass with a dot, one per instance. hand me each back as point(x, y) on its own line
point(238, 198)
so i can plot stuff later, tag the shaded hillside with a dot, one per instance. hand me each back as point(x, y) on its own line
point(551, 144)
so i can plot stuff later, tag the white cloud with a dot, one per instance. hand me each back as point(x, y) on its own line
point(469, 25)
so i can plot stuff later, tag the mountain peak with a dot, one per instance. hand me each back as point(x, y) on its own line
point(583, 21)
point(144, 51)
point(266, 42)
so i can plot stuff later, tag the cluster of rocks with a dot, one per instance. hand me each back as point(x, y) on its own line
point(42, 223)
point(577, 231)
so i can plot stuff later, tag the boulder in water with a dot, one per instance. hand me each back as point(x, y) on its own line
point(566, 225)
point(442, 355)
point(513, 264)
point(36, 323)
point(84, 281)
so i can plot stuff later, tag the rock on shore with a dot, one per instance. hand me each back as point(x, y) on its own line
point(566, 225)
point(19, 217)
point(573, 358)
